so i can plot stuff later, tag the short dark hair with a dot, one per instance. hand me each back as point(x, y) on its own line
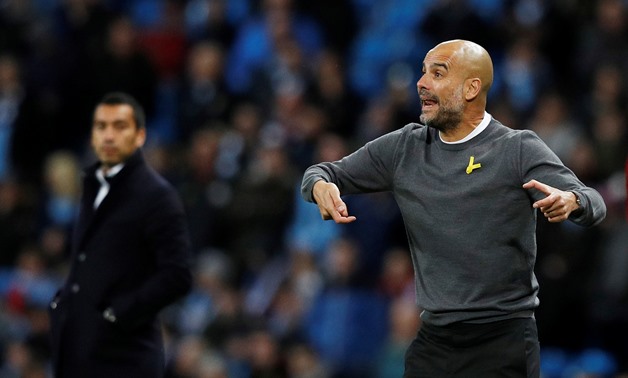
point(121, 98)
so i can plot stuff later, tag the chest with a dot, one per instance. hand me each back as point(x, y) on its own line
point(473, 182)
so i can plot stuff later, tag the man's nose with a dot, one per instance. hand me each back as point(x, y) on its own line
point(108, 133)
point(420, 84)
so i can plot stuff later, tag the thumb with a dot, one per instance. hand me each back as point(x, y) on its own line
point(340, 206)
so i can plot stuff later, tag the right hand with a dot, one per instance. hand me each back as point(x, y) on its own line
point(331, 206)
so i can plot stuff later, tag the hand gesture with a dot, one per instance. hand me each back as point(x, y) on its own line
point(557, 205)
point(331, 206)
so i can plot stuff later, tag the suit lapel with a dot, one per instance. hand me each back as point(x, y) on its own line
point(89, 217)
point(86, 213)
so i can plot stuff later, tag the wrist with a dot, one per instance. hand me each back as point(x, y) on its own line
point(578, 204)
point(314, 191)
point(577, 199)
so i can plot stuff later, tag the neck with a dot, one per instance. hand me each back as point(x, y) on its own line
point(469, 122)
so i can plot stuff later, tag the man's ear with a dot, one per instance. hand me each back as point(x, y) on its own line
point(473, 87)
point(140, 138)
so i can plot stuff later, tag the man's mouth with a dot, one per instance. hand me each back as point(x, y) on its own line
point(428, 103)
point(109, 149)
point(427, 100)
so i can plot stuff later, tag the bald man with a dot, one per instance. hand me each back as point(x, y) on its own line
point(469, 190)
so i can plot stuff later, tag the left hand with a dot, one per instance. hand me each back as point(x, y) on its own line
point(557, 205)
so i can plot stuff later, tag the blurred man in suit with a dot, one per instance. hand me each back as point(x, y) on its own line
point(130, 257)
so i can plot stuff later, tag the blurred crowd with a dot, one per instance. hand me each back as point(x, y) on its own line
point(242, 96)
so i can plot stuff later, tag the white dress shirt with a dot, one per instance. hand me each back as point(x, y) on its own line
point(104, 185)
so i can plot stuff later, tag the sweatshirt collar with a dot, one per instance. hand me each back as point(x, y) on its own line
point(485, 121)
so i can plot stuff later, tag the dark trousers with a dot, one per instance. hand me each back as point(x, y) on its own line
point(506, 348)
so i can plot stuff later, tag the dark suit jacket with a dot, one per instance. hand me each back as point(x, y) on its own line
point(131, 254)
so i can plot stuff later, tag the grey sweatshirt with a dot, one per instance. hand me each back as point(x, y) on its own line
point(471, 235)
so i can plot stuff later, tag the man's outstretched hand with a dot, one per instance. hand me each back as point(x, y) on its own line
point(331, 206)
point(557, 204)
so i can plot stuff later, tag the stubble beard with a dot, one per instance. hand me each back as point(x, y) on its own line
point(449, 114)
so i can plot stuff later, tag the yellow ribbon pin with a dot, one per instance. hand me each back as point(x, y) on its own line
point(472, 166)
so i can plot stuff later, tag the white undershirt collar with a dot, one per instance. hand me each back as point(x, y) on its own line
point(479, 128)
point(104, 185)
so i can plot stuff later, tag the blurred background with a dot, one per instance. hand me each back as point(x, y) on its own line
point(241, 97)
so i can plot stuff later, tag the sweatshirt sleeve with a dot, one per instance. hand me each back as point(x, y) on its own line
point(540, 163)
point(369, 169)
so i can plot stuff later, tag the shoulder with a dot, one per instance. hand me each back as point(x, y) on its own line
point(521, 143)
point(157, 193)
point(415, 128)
point(505, 133)
point(156, 181)
point(144, 174)
point(389, 143)
point(411, 131)
point(145, 179)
